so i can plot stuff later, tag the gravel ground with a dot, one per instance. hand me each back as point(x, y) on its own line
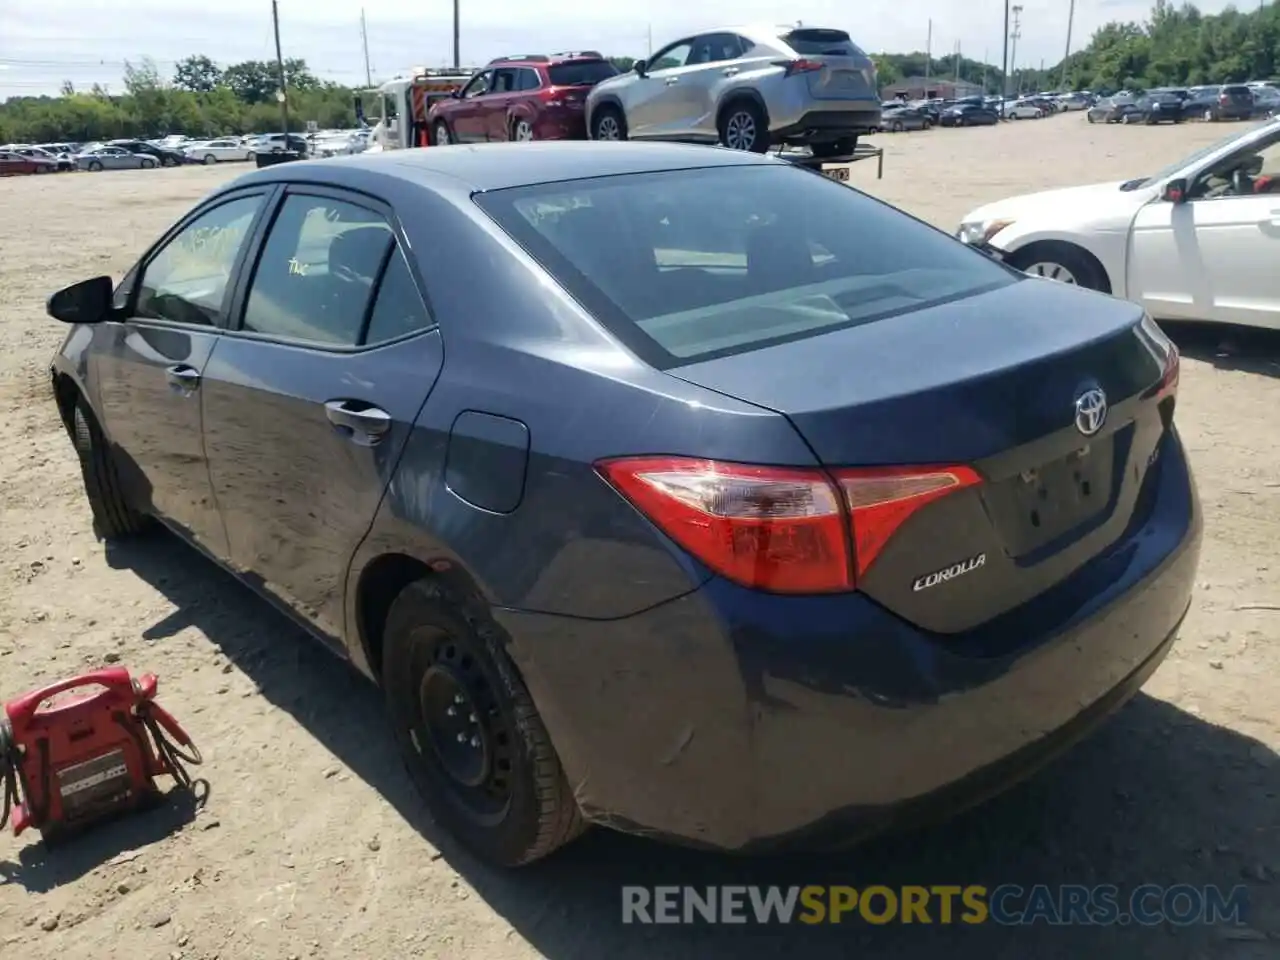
point(1180, 787)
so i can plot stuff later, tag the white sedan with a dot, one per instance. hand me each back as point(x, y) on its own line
point(216, 151)
point(1199, 240)
point(1023, 110)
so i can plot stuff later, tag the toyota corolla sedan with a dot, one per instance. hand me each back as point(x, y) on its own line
point(672, 489)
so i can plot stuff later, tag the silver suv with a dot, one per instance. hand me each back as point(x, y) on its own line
point(749, 88)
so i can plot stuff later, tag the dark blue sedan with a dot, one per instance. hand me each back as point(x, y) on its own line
point(665, 487)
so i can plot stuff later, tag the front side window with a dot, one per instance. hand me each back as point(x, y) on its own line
point(187, 280)
point(676, 55)
point(687, 265)
point(1253, 171)
point(479, 85)
point(314, 279)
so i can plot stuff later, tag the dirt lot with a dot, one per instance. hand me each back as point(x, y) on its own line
point(312, 843)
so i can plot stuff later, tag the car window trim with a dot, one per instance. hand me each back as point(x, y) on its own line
point(248, 269)
point(139, 269)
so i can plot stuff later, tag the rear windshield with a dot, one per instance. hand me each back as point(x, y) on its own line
point(688, 265)
point(818, 43)
point(581, 73)
point(1237, 91)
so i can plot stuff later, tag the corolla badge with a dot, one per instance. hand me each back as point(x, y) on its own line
point(949, 573)
point(1091, 411)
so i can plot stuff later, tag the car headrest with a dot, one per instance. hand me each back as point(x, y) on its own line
point(356, 254)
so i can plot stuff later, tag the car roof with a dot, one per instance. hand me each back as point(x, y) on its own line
point(497, 166)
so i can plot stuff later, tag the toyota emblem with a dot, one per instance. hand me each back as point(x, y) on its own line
point(1091, 411)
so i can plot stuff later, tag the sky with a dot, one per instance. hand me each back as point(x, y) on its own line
point(45, 42)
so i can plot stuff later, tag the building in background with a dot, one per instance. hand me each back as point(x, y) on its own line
point(934, 88)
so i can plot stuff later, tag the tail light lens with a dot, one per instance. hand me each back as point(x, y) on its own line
point(1223, 98)
point(780, 529)
point(799, 66)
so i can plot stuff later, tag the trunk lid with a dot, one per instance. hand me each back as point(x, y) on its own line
point(990, 382)
point(847, 73)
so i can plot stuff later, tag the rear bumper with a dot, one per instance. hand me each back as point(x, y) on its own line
point(742, 721)
point(828, 125)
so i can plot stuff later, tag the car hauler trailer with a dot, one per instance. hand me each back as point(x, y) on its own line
point(837, 168)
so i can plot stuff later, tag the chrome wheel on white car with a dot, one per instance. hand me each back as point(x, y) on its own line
point(608, 126)
point(740, 131)
point(1051, 271)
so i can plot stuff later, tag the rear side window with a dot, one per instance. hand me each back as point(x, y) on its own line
point(581, 73)
point(398, 309)
point(822, 43)
point(528, 80)
point(687, 265)
point(315, 277)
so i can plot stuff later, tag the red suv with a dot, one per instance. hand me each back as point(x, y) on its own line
point(521, 98)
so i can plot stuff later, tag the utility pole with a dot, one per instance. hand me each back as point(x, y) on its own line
point(1071, 15)
point(957, 63)
point(364, 39)
point(928, 51)
point(1004, 62)
point(281, 95)
point(1017, 32)
point(985, 51)
point(457, 35)
point(649, 55)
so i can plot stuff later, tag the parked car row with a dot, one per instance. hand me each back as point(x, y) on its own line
point(1231, 101)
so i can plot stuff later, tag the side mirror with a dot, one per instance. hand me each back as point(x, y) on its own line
point(1175, 191)
point(88, 301)
point(640, 67)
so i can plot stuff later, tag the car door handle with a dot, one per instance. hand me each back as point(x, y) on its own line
point(357, 421)
point(730, 71)
point(672, 81)
point(183, 378)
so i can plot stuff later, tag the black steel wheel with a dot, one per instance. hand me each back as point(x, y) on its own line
point(469, 733)
point(113, 517)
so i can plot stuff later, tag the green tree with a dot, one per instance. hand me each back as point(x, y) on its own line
point(197, 74)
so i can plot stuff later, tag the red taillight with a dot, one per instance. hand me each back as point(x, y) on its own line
point(880, 500)
point(799, 66)
point(780, 529)
point(1223, 98)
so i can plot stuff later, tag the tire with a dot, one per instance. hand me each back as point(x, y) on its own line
point(1209, 116)
point(210, 159)
point(521, 131)
point(113, 518)
point(743, 126)
point(608, 123)
point(436, 652)
point(147, 164)
point(1081, 267)
point(1089, 117)
point(896, 126)
point(95, 166)
point(440, 135)
point(836, 148)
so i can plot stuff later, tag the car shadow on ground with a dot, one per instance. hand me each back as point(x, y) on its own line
point(1227, 347)
point(1156, 796)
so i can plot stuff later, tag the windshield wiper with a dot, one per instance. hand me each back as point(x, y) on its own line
point(1134, 184)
